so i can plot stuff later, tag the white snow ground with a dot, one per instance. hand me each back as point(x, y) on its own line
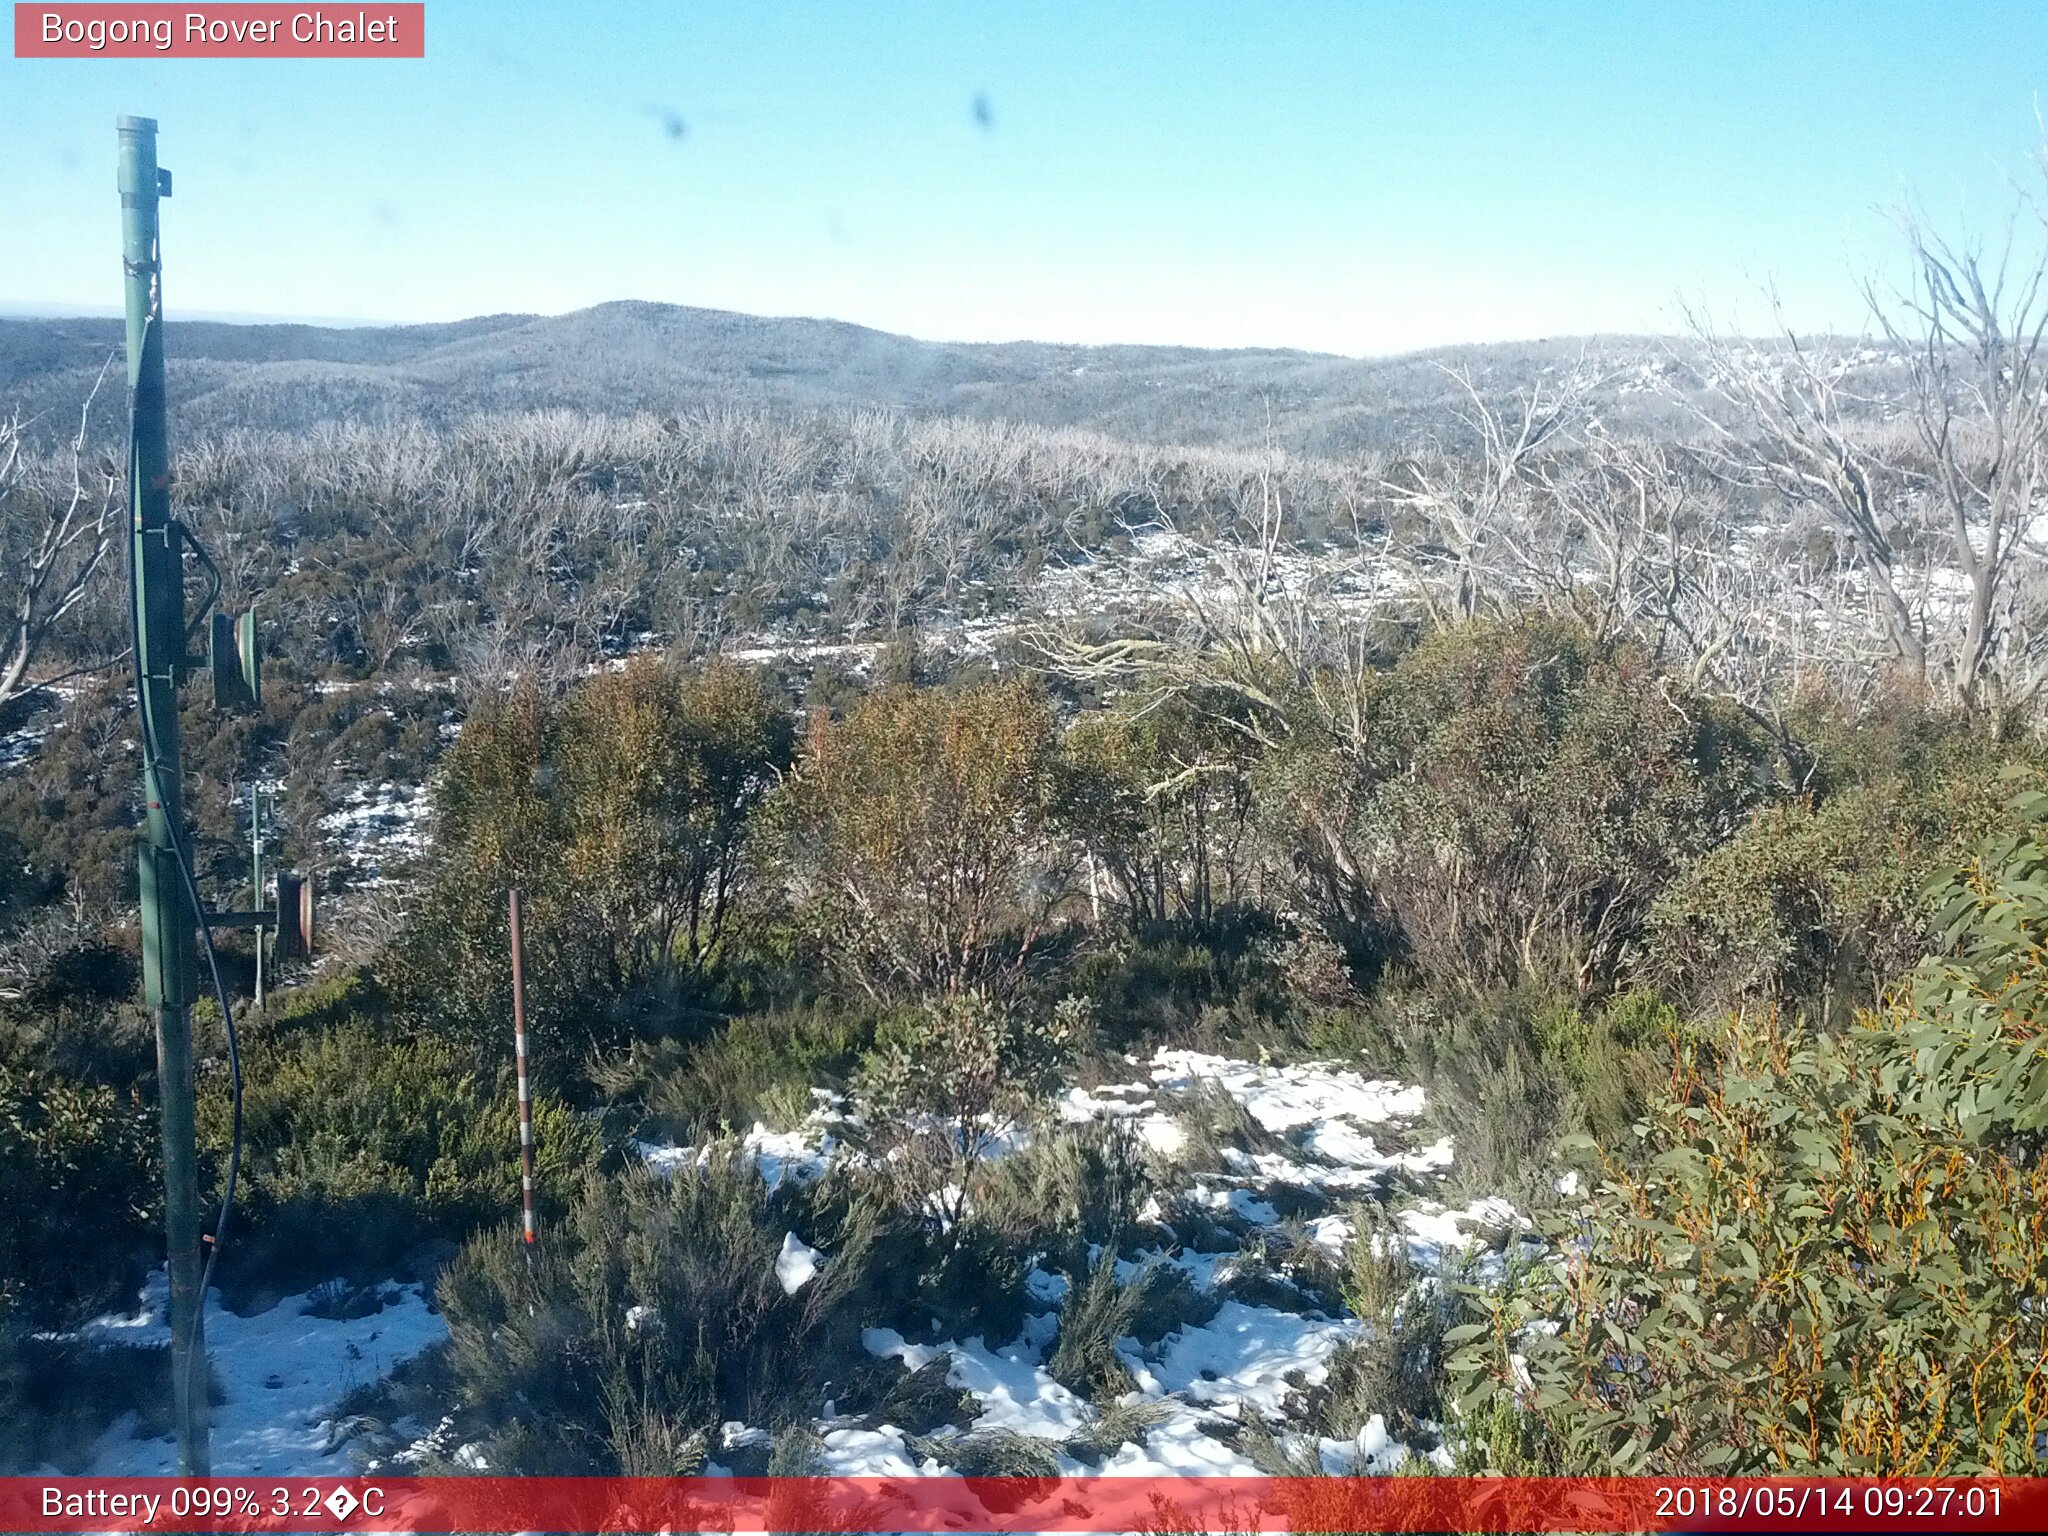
point(377, 831)
point(1200, 1381)
point(284, 1371)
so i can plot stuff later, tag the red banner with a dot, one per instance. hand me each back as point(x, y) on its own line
point(1006, 1504)
point(115, 31)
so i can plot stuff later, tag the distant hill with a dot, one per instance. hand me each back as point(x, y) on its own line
point(638, 356)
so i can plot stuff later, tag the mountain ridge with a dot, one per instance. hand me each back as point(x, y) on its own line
point(631, 355)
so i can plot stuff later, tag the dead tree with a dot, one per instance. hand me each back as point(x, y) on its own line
point(1942, 529)
point(1786, 425)
point(1970, 329)
point(1464, 509)
point(54, 538)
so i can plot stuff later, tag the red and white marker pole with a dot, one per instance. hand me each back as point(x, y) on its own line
point(525, 1097)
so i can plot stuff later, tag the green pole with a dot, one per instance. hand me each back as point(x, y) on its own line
point(256, 876)
point(157, 592)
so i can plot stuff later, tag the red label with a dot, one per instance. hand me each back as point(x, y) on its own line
point(1014, 1506)
point(118, 31)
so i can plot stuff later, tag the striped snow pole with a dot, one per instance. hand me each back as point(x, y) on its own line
point(525, 1097)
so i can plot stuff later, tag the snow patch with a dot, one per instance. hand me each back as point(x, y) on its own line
point(281, 1374)
point(797, 1265)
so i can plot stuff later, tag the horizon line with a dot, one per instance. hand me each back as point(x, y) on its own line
point(31, 310)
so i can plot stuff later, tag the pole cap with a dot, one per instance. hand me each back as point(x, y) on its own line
point(135, 125)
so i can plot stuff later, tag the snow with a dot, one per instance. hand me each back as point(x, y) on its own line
point(1078, 1105)
point(1341, 1135)
point(45, 706)
point(378, 830)
point(1247, 1360)
point(1124, 1101)
point(797, 1265)
point(734, 1434)
point(799, 1156)
point(1284, 1098)
point(870, 1453)
point(1163, 1134)
point(18, 746)
point(1238, 1202)
point(1433, 1234)
point(1012, 1386)
point(1373, 1453)
point(282, 1373)
point(1445, 1229)
point(1244, 1355)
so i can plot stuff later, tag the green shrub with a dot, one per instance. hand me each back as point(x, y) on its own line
point(945, 1085)
point(922, 1400)
point(357, 1147)
point(932, 1281)
point(1828, 1255)
point(1393, 1369)
point(1069, 1186)
point(1161, 980)
point(991, 1453)
point(1639, 1017)
point(1505, 803)
point(1169, 1302)
point(79, 1187)
point(919, 834)
point(1114, 1426)
point(1508, 1073)
point(620, 811)
point(1609, 1077)
point(329, 1000)
point(81, 1032)
point(652, 1313)
point(760, 1067)
point(1097, 1310)
point(1163, 802)
point(59, 1395)
point(1819, 904)
point(1490, 1087)
point(1377, 1272)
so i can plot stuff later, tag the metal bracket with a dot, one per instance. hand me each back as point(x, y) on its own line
point(185, 537)
point(242, 919)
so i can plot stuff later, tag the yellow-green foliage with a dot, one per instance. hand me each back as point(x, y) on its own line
point(1812, 902)
point(918, 833)
point(1163, 799)
point(1830, 1253)
point(619, 811)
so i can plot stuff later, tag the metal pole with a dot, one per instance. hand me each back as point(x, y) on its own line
point(256, 876)
point(157, 593)
point(525, 1097)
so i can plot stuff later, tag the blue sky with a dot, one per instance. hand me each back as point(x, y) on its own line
point(1351, 177)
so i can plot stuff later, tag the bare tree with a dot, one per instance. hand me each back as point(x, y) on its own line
point(1970, 327)
point(1941, 528)
point(1470, 505)
point(54, 539)
point(1787, 426)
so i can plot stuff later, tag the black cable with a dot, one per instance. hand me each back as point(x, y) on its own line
point(150, 760)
